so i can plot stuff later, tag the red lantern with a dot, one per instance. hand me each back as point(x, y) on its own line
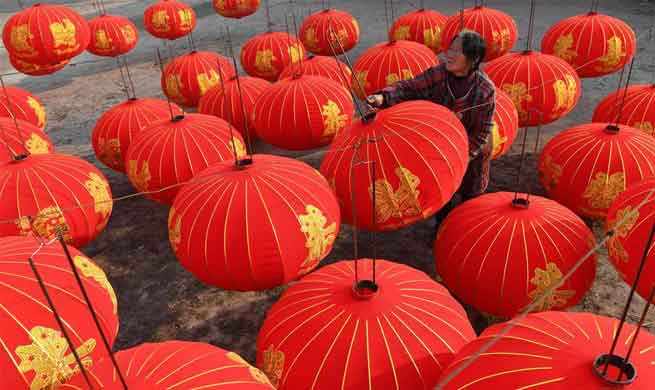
point(637, 111)
point(627, 245)
point(587, 166)
point(499, 256)
point(46, 34)
point(302, 112)
point(112, 35)
point(236, 8)
point(423, 26)
point(505, 125)
point(554, 351)
point(234, 101)
point(324, 334)
point(35, 354)
point(116, 128)
point(23, 105)
point(166, 154)
point(190, 76)
point(47, 192)
point(169, 19)
point(594, 44)
point(266, 55)
point(27, 138)
point(496, 28)
point(544, 88)
point(329, 32)
point(420, 154)
point(322, 66)
point(388, 62)
point(254, 227)
point(32, 69)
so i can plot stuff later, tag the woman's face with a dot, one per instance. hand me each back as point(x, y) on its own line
point(456, 61)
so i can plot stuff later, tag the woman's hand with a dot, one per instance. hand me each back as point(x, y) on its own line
point(375, 101)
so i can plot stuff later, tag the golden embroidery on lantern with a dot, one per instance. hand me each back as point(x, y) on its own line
point(518, 92)
point(565, 92)
point(207, 82)
point(603, 189)
point(110, 152)
point(99, 190)
point(400, 203)
point(24, 226)
point(394, 78)
point(160, 21)
point(295, 51)
point(186, 19)
point(562, 48)
point(497, 141)
point(63, 34)
point(500, 40)
point(140, 178)
point(432, 37)
point(550, 173)
point(319, 236)
point(173, 85)
point(38, 110)
point(311, 39)
point(543, 279)
point(174, 229)
point(128, 34)
point(341, 37)
point(273, 365)
point(264, 61)
point(646, 127)
point(237, 146)
point(102, 41)
point(254, 372)
point(37, 145)
point(362, 81)
point(614, 245)
point(613, 56)
point(333, 120)
point(401, 33)
point(90, 270)
point(19, 38)
point(48, 221)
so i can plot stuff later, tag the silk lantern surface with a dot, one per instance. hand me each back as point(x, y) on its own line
point(594, 44)
point(544, 88)
point(35, 354)
point(420, 155)
point(587, 166)
point(321, 335)
point(236, 8)
point(23, 105)
point(169, 19)
point(554, 351)
point(256, 226)
point(500, 257)
point(32, 69)
point(46, 192)
point(329, 32)
point(505, 124)
point(26, 139)
point(637, 110)
point(423, 26)
point(112, 35)
point(323, 66)
point(266, 55)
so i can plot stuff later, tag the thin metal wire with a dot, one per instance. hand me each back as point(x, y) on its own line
point(161, 69)
point(129, 76)
point(123, 79)
point(350, 67)
point(246, 124)
point(374, 217)
point(269, 24)
point(616, 96)
point(231, 117)
point(528, 44)
point(10, 108)
point(520, 167)
point(4, 138)
point(461, 16)
point(625, 92)
point(536, 149)
point(633, 341)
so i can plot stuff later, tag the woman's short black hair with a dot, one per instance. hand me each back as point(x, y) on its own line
point(473, 47)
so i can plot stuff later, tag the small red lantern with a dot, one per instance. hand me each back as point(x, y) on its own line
point(254, 226)
point(586, 167)
point(112, 35)
point(321, 66)
point(505, 125)
point(32, 69)
point(116, 128)
point(329, 32)
point(23, 105)
point(637, 111)
point(169, 19)
point(496, 28)
point(27, 138)
point(594, 44)
point(166, 154)
point(236, 8)
point(325, 333)
point(544, 88)
point(499, 253)
point(389, 62)
point(423, 26)
point(46, 34)
point(302, 112)
point(266, 55)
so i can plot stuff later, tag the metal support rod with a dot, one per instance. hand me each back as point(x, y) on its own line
point(633, 341)
point(350, 67)
point(10, 108)
point(228, 42)
point(161, 69)
point(528, 43)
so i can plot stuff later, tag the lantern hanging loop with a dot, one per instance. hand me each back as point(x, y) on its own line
point(231, 117)
point(421, 5)
point(123, 78)
point(6, 142)
point(295, 31)
point(525, 202)
point(594, 6)
point(613, 127)
point(129, 77)
point(642, 320)
point(350, 67)
point(269, 24)
point(13, 116)
point(161, 69)
point(386, 18)
point(528, 43)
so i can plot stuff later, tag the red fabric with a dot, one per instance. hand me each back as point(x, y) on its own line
point(254, 227)
point(266, 55)
point(112, 35)
point(506, 124)
point(333, 26)
point(30, 139)
point(45, 34)
point(554, 351)
point(423, 26)
point(544, 88)
point(594, 44)
point(424, 139)
point(626, 247)
point(236, 8)
point(586, 167)
point(638, 109)
point(32, 69)
point(188, 77)
point(171, 152)
point(23, 104)
point(56, 190)
point(116, 128)
point(302, 113)
point(388, 62)
point(497, 28)
point(169, 19)
point(29, 329)
point(321, 335)
point(498, 258)
point(321, 66)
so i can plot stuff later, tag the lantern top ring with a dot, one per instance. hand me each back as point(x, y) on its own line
point(365, 289)
point(617, 362)
point(612, 128)
point(369, 116)
point(177, 118)
point(243, 162)
point(521, 203)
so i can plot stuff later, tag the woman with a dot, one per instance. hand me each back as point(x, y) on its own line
point(461, 86)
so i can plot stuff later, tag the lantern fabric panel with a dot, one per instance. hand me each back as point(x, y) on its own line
point(423, 26)
point(266, 55)
point(23, 105)
point(638, 109)
point(505, 125)
point(112, 35)
point(322, 66)
point(32, 69)
point(236, 8)
point(29, 140)
point(329, 32)
point(169, 19)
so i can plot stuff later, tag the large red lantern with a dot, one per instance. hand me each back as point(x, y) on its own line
point(44, 193)
point(188, 77)
point(112, 35)
point(638, 109)
point(236, 8)
point(329, 32)
point(497, 29)
point(499, 254)
point(302, 112)
point(594, 44)
point(544, 88)
point(234, 101)
point(35, 354)
point(419, 152)
point(169, 19)
point(46, 34)
point(324, 333)
point(166, 154)
point(322, 66)
point(505, 124)
point(254, 226)
point(26, 138)
point(388, 62)
point(423, 26)
point(266, 55)
point(114, 131)
point(23, 105)
point(586, 167)
point(32, 69)
point(554, 351)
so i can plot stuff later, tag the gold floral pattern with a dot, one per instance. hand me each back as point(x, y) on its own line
point(394, 78)
point(565, 92)
point(19, 38)
point(37, 145)
point(646, 126)
point(39, 111)
point(400, 203)
point(562, 48)
point(518, 92)
point(254, 372)
point(500, 40)
point(401, 33)
point(550, 173)
point(264, 61)
point(99, 190)
point(612, 58)
point(432, 37)
point(140, 178)
point(614, 244)
point(319, 236)
point(545, 278)
point(237, 146)
point(497, 141)
point(311, 39)
point(186, 19)
point(109, 152)
point(48, 221)
point(63, 34)
point(603, 189)
point(160, 20)
point(173, 87)
point(333, 120)
point(175, 230)
point(362, 83)
point(90, 270)
point(128, 34)
point(103, 42)
point(273, 365)
point(207, 82)
point(295, 52)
